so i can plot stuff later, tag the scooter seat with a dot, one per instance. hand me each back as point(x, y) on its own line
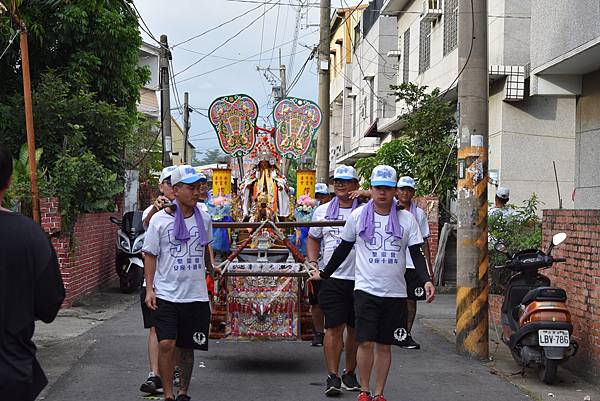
point(545, 294)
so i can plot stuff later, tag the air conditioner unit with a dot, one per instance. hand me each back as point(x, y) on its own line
point(432, 10)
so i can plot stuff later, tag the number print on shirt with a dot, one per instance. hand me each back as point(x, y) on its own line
point(391, 247)
point(181, 249)
point(196, 250)
point(178, 249)
point(333, 232)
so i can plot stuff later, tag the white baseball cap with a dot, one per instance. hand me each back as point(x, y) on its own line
point(503, 193)
point(203, 177)
point(166, 173)
point(406, 181)
point(185, 174)
point(343, 172)
point(383, 176)
point(321, 189)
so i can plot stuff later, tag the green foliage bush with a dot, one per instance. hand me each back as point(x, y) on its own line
point(521, 229)
point(83, 185)
point(85, 81)
point(427, 149)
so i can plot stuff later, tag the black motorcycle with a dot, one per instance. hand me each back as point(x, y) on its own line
point(536, 322)
point(128, 260)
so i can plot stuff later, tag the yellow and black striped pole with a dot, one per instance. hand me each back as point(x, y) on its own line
point(472, 255)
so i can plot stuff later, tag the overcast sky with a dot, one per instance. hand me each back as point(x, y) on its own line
point(270, 27)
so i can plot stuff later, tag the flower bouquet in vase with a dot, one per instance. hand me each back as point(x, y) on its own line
point(305, 207)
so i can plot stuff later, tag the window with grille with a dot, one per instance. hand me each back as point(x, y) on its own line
point(424, 46)
point(406, 56)
point(450, 25)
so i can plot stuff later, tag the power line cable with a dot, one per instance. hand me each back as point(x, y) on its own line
point(469, 54)
point(221, 24)
point(10, 42)
point(226, 41)
point(239, 61)
point(276, 29)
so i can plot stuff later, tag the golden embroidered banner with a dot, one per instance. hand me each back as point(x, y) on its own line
point(221, 181)
point(305, 182)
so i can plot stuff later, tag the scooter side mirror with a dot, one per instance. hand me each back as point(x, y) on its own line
point(116, 221)
point(501, 247)
point(558, 238)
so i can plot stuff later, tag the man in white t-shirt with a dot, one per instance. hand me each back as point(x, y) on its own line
point(322, 196)
point(336, 294)
point(380, 233)
point(153, 384)
point(175, 263)
point(405, 193)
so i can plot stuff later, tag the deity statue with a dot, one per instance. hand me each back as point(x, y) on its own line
point(265, 180)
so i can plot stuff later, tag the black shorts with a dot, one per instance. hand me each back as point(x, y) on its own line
point(188, 323)
point(415, 289)
point(336, 299)
point(146, 312)
point(380, 319)
point(313, 290)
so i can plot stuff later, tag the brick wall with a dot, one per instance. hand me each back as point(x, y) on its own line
point(580, 277)
point(430, 204)
point(87, 255)
point(494, 306)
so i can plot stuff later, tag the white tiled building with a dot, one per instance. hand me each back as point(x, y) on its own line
point(526, 133)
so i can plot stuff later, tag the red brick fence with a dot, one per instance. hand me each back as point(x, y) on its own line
point(87, 255)
point(579, 276)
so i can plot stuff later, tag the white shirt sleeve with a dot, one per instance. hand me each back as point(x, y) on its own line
point(318, 215)
point(423, 224)
point(152, 239)
point(208, 225)
point(145, 214)
point(413, 233)
point(350, 230)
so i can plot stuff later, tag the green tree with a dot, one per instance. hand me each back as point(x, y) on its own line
point(209, 157)
point(84, 74)
point(85, 83)
point(426, 149)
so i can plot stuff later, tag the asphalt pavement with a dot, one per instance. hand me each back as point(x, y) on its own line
point(97, 351)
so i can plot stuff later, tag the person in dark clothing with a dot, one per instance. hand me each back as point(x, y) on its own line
point(31, 288)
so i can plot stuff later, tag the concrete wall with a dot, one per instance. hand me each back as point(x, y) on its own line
point(587, 167)
point(559, 26)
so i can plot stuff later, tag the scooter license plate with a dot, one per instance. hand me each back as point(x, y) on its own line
point(553, 338)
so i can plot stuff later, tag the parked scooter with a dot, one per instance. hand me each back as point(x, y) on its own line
point(536, 324)
point(128, 261)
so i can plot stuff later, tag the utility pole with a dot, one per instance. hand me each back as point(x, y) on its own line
point(165, 100)
point(186, 126)
point(323, 134)
point(24, 46)
point(283, 88)
point(282, 77)
point(472, 251)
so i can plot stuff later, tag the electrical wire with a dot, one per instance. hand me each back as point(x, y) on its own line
point(226, 41)
point(468, 56)
point(276, 29)
point(239, 61)
point(10, 42)
point(300, 71)
point(220, 25)
point(524, 15)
